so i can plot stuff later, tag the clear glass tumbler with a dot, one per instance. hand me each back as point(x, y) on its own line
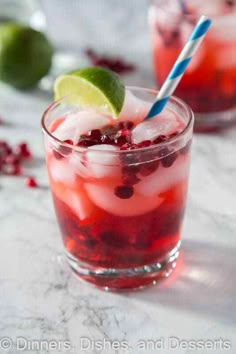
point(209, 83)
point(111, 242)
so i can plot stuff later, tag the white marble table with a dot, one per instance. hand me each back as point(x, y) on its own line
point(40, 299)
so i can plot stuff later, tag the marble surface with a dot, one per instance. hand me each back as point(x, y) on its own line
point(40, 299)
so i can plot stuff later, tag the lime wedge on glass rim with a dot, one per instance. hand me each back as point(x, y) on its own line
point(94, 87)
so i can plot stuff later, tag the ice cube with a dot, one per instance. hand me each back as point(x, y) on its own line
point(80, 204)
point(164, 124)
point(102, 163)
point(88, 120)
point(60, 171)
point(80, 123)
point(134, 109)
point(164, 178)
point(75, 198)
point(223, 30)
point(66, 130)
point(78, 164)
point(102, 195)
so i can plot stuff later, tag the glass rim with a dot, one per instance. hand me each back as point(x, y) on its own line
point(186, 15)
point(79, 149)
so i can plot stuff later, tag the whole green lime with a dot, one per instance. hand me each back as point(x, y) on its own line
point(25, 55)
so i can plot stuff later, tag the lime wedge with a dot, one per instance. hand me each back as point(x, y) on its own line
point(94, 87)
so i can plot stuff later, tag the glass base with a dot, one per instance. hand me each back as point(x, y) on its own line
point(210, 122)
point(125, 279)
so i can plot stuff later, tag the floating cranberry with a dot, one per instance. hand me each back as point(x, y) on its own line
point(85, 142)
point(129, 146)
point(63, 150)
point(124, 125)
point(106, 140)
point(112, 239)
point(95, 134)
point(130, 179)
point(160, 139)
point(145, 143)
point(167, 157)
point(149, 167)
point(173, 135)
point(131, 169)
point(121, 140)
point(31, 182)
point(124, 192)
point(57, 155)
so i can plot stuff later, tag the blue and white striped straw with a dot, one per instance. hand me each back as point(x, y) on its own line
point(180, 66)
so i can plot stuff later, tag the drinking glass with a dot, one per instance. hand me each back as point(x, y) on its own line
point(109, 241)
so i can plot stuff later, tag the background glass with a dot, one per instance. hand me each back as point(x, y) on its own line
point(209, 83)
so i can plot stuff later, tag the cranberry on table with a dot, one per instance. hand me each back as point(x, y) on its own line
point(31, 182)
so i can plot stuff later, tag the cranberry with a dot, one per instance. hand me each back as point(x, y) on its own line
point(23, 151)
point(95, 134)
point(112, 239)
point(160, 139)
point(129, 146)
point(12, 170)
point(130, 179)
point(145, 143)
point(57, 155)
point(106, 140)
point(90, 53)
point(86, 142)
point(173, 135)
point(115, 64)
point(149, 167)
point(5, 149)
point(131, 169)
point(121, 140)
point(11, 159)
point(124, 192)
point(167, 157)
point(124, 125)
point(31, 182)
point(63, 150)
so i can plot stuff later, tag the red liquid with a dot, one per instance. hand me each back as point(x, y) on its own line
point(209, 84)
point(110, 241)
point(129, 216)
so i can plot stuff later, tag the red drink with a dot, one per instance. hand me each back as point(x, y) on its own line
point(209, 83)
point(119, 190)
